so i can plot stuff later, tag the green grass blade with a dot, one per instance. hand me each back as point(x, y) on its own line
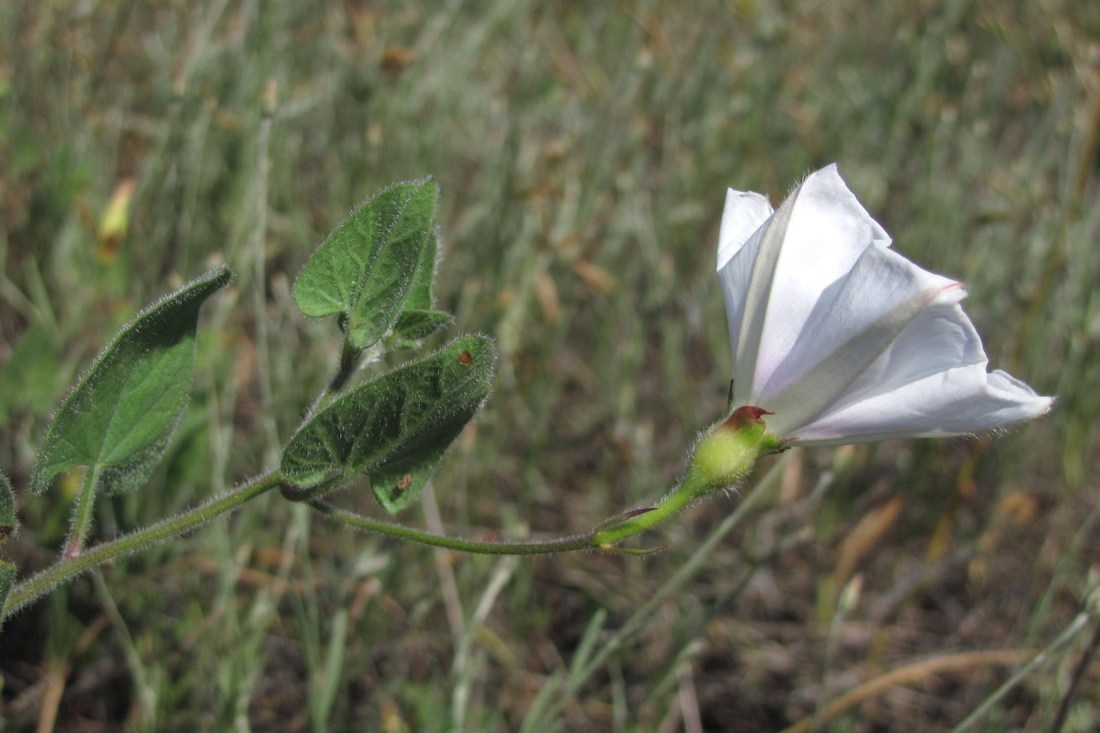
point(324, 693)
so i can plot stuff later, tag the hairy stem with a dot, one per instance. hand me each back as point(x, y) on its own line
point(722, 459)
point(349, 358)
point(69, 567)
point(358, 521)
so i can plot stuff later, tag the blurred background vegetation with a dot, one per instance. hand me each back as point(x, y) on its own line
point(582, 151)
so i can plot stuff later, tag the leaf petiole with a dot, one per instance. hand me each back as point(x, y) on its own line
point(349, 358)
point(82, 513)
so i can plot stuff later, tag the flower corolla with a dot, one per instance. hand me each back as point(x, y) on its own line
point(842, 339)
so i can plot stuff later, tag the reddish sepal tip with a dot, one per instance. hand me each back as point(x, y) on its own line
point(746, 415)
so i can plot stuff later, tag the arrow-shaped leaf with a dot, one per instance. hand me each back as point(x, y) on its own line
point(120, 416)
point(394, 428)
point(373, 262)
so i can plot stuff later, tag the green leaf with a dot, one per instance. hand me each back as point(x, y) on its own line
point(118, 419)
point(417, 324)
point(7, 512)
point(7, 580)
point(420, 289)
point(7, 529)
point(395, 428)
point(373, 262)
point(419, 320)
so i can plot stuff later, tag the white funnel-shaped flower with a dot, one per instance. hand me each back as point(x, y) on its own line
point(843, 339)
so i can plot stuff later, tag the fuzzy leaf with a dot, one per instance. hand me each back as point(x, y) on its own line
point(7, 512)
point(7, 580)
point(7, 529)
point(395, 428)
point(373, 262)
point(419, 319)
point(420, 288)
point(119, 418)
point(416, 324)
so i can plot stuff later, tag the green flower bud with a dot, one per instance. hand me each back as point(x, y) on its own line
point(728, 452)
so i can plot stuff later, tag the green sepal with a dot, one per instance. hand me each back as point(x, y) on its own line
point(373, 263)
point(395, 428)
point(729, 450)
point(122, 413)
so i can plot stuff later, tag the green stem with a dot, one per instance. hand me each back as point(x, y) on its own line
point(68, 568)
point(349, 357)
point(82, 514)
point(607, 647)
point(723, 458)
point(358, 521)
point(615, 530)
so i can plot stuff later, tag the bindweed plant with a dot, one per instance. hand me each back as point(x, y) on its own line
point(836, 339)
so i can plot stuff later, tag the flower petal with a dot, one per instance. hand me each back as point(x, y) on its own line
point(827, 232)
point(844, 339)
point(738, 243)
point(931, 382)
point(745, 211)
point(854, 321)
point(768, 245)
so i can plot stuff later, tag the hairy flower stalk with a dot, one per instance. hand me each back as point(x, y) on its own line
point(723, 458)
